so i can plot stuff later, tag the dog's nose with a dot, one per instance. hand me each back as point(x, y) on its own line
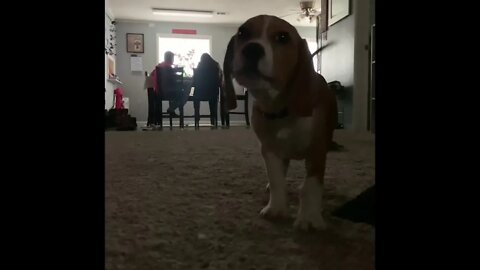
point(253, 52)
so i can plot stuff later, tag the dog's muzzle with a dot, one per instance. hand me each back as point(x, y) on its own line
point(252, 53)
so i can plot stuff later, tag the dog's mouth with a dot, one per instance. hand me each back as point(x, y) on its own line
point(249, 74)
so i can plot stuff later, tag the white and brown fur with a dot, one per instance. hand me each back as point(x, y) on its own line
point(285, 80)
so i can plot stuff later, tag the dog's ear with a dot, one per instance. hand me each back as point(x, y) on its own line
point(228, 89)
point(302, 85)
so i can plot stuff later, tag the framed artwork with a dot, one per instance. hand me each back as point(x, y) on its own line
point(135, 43)
point(337, 10)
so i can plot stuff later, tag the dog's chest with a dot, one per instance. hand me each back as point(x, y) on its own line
point(289, 137)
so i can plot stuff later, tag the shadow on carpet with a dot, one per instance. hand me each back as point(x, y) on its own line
point(336, 147)
point(360, 209)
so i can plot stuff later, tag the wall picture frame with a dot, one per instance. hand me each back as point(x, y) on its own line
point(135, 43)
point(337, 10)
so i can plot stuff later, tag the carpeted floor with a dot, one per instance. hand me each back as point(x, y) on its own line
point(190, 200)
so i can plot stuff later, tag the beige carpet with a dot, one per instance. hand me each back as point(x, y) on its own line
point(190, 200)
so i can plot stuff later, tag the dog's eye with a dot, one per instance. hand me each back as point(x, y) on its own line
point(282, 37)
point(242, 33)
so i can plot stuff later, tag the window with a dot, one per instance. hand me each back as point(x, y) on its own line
point(312, 46)
point(187, 50)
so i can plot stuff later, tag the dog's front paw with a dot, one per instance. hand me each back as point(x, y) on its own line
point(275, 212)
point(312, 220)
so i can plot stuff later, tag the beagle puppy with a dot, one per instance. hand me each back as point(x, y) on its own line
point(294, 111)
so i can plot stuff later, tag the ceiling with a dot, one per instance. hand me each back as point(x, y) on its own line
point(237, 11)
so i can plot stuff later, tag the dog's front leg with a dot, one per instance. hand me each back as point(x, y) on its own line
point(311, 195)
point(276, 171)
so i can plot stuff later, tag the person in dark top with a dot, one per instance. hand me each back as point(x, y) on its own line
point(207, 80)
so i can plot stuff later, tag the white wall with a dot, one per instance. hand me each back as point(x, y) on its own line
point(346, 59)
point(337, 60)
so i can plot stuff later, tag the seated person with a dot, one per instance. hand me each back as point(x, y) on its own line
point(207, 80)
point(165, 85)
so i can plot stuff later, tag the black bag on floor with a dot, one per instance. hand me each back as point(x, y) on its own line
point(126, 122)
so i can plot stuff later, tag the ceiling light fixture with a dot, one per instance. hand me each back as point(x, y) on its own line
point(182, 12)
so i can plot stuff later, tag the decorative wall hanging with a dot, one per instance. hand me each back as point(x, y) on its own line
point(110, 39)
point(337, 10)
point(135, 43)
point(111, 67)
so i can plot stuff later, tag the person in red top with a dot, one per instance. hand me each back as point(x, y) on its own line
point(167, 88)
point(167, 63)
